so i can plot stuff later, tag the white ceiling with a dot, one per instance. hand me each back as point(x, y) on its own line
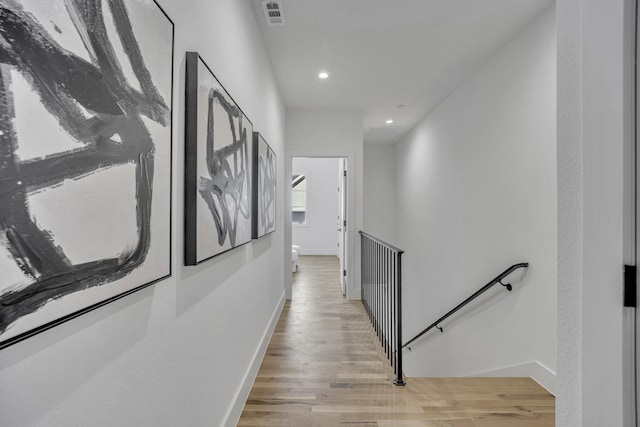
point(382, 54)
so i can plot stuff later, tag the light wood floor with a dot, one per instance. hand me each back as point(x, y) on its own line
point(324, 367)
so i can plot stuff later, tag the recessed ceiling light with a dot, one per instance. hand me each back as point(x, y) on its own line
point(389, 121)
point(323, 75)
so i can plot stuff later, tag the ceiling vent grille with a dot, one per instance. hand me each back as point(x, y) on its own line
point(273, 13)
point(383, 131)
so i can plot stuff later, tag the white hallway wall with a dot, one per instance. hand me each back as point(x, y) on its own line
point(319, 236)
point(330, 133)
point(176, 353)
point(379, 191)
point(476, 192)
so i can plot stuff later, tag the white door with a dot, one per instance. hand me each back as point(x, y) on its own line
point(339, 228)
point(342, 224)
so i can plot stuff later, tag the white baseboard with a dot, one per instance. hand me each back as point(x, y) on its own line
point(235, 410)
point(317, 252)
point(536, 370)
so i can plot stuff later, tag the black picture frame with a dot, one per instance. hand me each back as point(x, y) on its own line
point(264, 187)
point(218, 166)
point(105, 123)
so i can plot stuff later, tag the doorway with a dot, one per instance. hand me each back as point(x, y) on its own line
point(319, 210)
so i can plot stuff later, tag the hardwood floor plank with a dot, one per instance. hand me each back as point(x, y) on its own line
point(325, 367)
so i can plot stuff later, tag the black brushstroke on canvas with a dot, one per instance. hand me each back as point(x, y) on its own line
point(225, 190)
point(267, 184)
point(64, 82)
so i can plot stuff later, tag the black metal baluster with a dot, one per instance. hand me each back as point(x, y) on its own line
point(373, 284)
point(366, 283)
point(370, 282)
point(383, 268)
point(399, 381)
point(394, 348)
point(378, 290)
point(383, 335)
point(365, 272)
point(386, 300)
point(363, 263)
point(388, 297)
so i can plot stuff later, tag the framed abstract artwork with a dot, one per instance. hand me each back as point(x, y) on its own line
point(264, 188)
point(85, 157)
point(218, 167)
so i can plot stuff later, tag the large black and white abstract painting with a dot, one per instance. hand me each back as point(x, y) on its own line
point(264, 187)
point(85, 157)
point(218, 167)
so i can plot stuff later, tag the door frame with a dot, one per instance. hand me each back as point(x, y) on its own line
point(631, 321)
point(343, 189)
point(352, 286)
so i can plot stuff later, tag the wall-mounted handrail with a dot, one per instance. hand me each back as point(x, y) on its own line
point(382, 296)
point(495, 281)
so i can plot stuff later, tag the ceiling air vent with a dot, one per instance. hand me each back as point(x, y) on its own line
point(382, 131)
point(273, 12)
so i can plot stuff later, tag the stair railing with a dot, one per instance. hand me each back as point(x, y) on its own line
point(382, 296)
point(498, 280)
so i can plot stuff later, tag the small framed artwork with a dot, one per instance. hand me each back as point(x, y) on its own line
point(219, 157)
point(264, 188)
point(85, 157)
